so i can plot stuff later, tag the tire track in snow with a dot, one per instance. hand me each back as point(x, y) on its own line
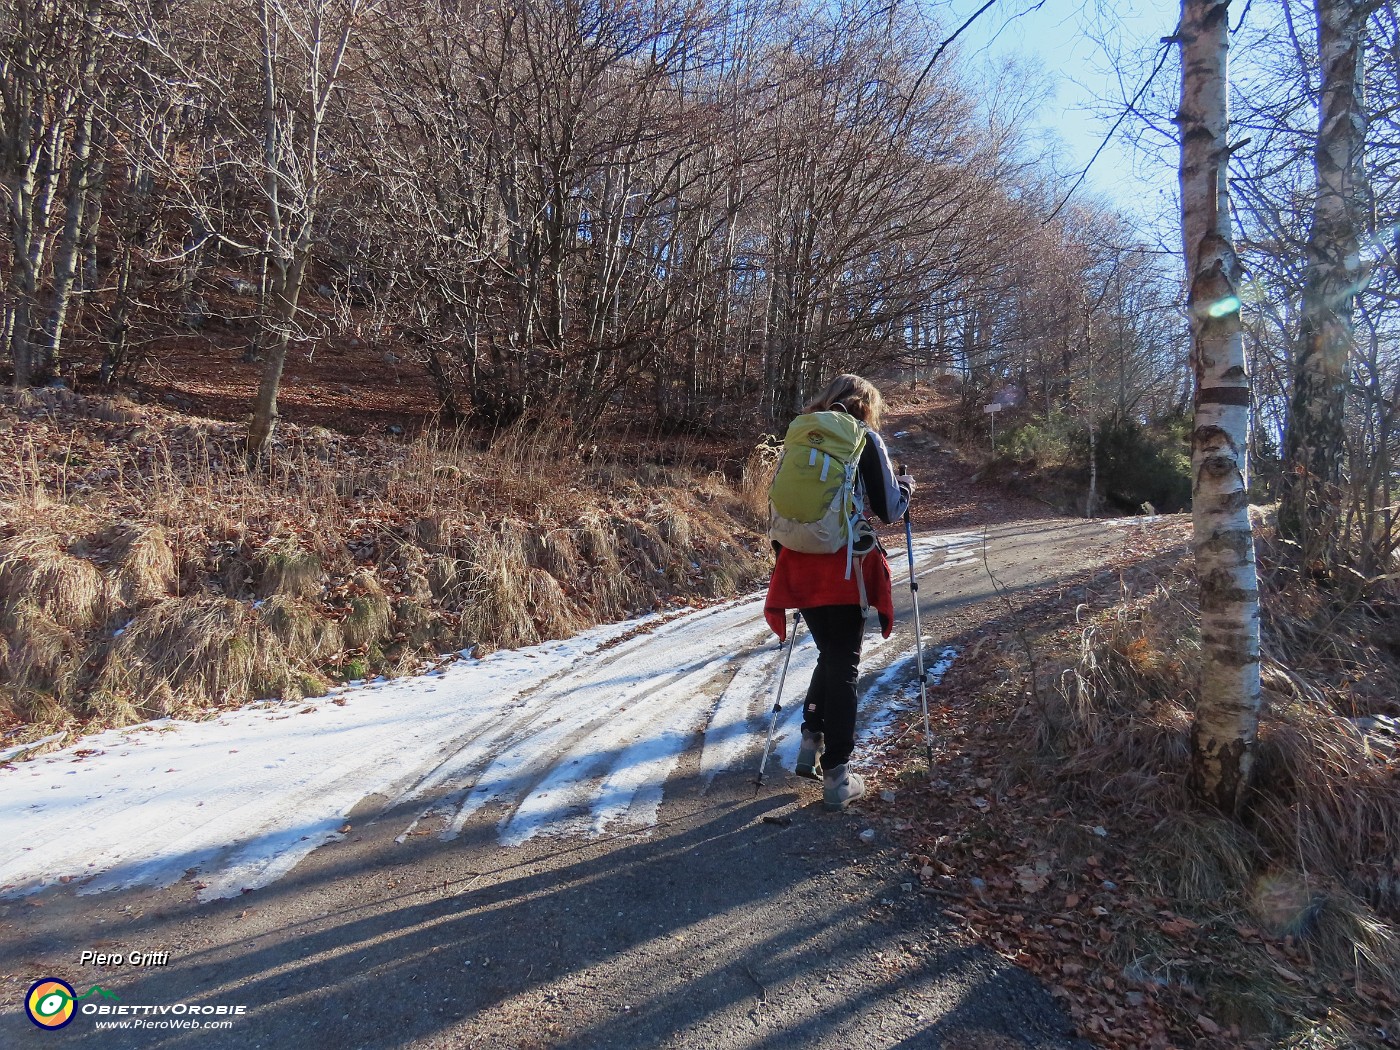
point(457, 774)
point(553, 773)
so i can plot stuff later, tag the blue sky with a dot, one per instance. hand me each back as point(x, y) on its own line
point(1080, 47)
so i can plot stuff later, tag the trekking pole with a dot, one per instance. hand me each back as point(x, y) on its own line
point(918, 632)
point(778, 699)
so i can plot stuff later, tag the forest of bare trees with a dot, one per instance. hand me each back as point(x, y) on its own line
point(689, 209)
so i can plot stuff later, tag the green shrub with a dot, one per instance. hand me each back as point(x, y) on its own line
point(1046, 442)
point(1139, 464)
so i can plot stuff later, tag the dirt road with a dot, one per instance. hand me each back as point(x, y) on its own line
point(554, 881)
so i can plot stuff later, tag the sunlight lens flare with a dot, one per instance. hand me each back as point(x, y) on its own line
point(1223, 307)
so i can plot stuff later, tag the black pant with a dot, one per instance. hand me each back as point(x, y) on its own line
point(831, 698)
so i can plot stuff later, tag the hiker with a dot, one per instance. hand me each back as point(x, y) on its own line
point(833, 591)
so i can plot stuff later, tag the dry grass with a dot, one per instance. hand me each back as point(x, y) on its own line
point(497, 581)
point(553, 550)
point(37, 570)
point(307, 636)
point(1117, 718)
point(757, 475)
point(1314, 862)
point(1346, 936)
point(1314, 1035)
point(554, 616)
point(179, 653)
point(368, 617)
point(284, 568)
point(1200, 859)
point(604, 583)
point(1323, 795)
point(40, 662)
point(145, 569)
point(145, 566)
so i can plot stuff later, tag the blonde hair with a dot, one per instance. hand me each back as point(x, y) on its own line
point(856, 395)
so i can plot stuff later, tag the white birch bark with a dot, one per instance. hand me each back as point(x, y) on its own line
point(1227, 716)
point(1315, 443)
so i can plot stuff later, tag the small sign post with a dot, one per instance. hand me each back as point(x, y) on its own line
point(992, 411)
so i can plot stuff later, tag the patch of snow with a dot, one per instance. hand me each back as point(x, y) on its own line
point(1141, 519)
point(896, 692)
point(244, 797)
point(943, 666)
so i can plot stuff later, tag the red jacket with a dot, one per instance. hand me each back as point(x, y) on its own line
point(807, 581)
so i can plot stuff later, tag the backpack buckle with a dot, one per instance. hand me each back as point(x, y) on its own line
point(863, 539)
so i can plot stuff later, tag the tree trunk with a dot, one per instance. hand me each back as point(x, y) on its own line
point(1227, 716)
point(1092, 499)
point(66, 261)
point(80, 181)
point(1092, 402)
point(285, 294)
point(1314, 446)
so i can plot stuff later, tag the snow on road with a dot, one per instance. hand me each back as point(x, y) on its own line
point(570, 737)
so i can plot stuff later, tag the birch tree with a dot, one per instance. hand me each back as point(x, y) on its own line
point(1226, 726)
point(1314, 448)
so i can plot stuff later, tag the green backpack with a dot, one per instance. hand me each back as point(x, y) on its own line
point(812, 502)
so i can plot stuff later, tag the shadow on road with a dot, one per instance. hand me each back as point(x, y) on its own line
point(726, 930)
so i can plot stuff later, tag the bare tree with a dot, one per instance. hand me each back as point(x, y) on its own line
point(686, 209)
point(303, 48)
point(46, 61)
point(1314, 449)
point(1225, 730)
point(81, 177)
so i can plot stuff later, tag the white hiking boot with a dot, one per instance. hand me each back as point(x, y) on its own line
point(809, 756)
point(841, 787)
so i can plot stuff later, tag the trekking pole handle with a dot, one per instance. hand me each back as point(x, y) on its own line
point(909, 536)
